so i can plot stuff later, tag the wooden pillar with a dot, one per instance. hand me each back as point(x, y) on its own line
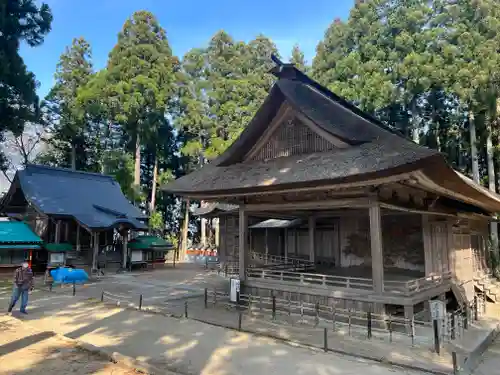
point(286, 244)
point(267, 244)
point(125, 248)
point(296, 244)
point(427, 240)
point(203, 231)
point(95, 252)
point(66, 231)
point(312, 235)
point(57, 238)
point(78, 245)
point(185, 232)
point(215, 223)
point(376, 248)
point(242, 244)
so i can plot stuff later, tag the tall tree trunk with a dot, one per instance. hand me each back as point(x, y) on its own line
point(491, 175)
point(415, 131)
point(473, 147)
point(185, 230)
point(137, 167)
point(153, 188)
point(73, 157)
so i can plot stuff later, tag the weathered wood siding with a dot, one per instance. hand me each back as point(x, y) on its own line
point(461, 263)
point(229, 236)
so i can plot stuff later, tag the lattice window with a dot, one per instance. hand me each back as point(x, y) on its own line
point(292, 137)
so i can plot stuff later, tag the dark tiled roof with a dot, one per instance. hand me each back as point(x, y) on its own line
point(95, 200)
point(316, 168)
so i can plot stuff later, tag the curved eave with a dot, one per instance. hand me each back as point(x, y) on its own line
point(445, 181)
point(396, 174)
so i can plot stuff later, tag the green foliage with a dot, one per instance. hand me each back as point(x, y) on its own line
point(298, 59)
point(20, 21)
point(156, 222)
point(69, 125)
point(140, 77)
point(220, 89)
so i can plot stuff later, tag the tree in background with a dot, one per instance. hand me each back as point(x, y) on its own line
point(298, 59)
point(20, 21)
point(68, 125)
point(140, 77)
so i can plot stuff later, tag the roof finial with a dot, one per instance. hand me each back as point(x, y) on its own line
point(276, 60)
point(281, 69)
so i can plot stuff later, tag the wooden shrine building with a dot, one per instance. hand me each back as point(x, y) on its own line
point(82, 214)
point(382, 220)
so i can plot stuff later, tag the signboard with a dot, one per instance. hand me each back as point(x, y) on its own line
point(438, 309)
point(235, 290)
point(136, 256)
point(56, 258)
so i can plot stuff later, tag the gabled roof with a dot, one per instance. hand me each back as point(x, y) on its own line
point(94, 200)
point(373, 151)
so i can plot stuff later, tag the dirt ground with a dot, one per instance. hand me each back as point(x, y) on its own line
point(24, 351)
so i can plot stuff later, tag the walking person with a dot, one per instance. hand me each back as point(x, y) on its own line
point(23, 284)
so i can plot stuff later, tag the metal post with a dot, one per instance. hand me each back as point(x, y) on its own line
point(102, 296)
point(390, 328)
point(437, 346)
point(476, 312)
point(174, 259)
point(74, 289)
point(316, 307)
point(206, 297)
point(325, 339)
point(333, 317)
point(349, 321)
point(455, 362)
point(239, 321)
point(140, 302)
point(186, 309)
point(369, 323)
point(274, 307)
point(225, 270)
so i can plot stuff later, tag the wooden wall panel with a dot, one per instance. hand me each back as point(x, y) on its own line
point(292, 137)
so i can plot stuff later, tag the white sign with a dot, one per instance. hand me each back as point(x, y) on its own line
point(56, 258)
point(136, 256)
point(438, 309)
point(235, 290)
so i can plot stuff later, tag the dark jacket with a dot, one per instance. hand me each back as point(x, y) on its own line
point(23, 278)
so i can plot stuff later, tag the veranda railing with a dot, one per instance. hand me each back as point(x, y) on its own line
point(405, 288)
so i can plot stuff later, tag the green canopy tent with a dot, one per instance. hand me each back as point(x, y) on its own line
point(17, 243)
point(148, 249)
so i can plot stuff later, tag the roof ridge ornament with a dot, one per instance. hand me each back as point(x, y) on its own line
point(283, 70)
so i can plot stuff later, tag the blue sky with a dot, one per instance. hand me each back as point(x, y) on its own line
point(189, 23)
